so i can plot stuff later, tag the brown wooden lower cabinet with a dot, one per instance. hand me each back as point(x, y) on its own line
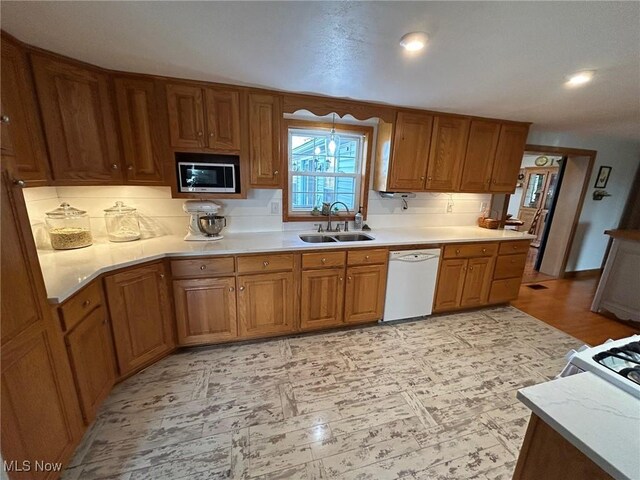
point(450, 284)
point(141, 316)
point(205, 310)
point(266, 304)
point(547, 454)
point(322, 298)
point(477, 282)
point(365, 290)
point(90, 349)
point(505, 290)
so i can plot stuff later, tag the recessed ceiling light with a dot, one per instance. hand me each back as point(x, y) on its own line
point(414, 41)
point(580, 78)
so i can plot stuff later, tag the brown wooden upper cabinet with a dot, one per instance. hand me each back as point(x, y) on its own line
point(204, 118)
point(410, 155)
point(140, 116)
point(77, 109)
point(446, 156)
point(22, 136)
point(494, 155)
point(265, 120)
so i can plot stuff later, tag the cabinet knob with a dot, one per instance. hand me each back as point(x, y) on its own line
point(429, 178)
point(324, 260)
point(366, 257)
point(162, 275)
point(199, 134)
point(20, 183)
point(349, 278)
point(457, 251)
point(421, 178)
point(203, 267)
point(488, 180)
point(86, 303)
point(104, 321)
point(211, 134)
point(5, 119)
point(340, 278)
point(484, 250)
point(513, 261)
point(130, 167)
point(265, 263)
point(276, 172)
point(515, 247)
point(231, 289)
point(471, 268)
point(494, 180)
point(114, 166)
point(242, 288)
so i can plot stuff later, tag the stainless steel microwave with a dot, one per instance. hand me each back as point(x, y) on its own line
point(208, 177)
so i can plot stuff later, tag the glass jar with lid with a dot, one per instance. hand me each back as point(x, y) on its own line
point(68, 227)
point(122, 223)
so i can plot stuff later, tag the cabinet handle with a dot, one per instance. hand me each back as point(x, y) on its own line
point(276, 172)
point(5, 119)
point(130, 167)
point(114, 166)
point(203, 267)
point(86, 303)
point(324, 260)
point(242, 288)
point(265, 263)
point(231, 289)
point(20, 183)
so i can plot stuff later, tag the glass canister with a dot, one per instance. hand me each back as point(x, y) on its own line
point(68, 227)
point(122, 223)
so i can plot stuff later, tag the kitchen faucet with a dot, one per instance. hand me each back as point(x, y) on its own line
point(329, 228)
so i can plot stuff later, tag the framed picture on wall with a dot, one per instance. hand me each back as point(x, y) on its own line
point(603, 177)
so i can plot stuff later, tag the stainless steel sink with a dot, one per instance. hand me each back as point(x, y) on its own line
point(317, 238)
point(352, 237)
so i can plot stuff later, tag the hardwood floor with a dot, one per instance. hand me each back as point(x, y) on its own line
point(531, 275)
point(565, 304)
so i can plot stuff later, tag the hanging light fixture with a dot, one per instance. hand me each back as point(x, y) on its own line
point(332, 137)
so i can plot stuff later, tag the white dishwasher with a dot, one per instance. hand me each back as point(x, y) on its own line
point(411, 283)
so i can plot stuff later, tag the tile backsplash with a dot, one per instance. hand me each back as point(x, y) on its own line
point(162, 215)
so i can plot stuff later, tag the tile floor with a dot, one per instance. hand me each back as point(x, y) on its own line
point(431, 399)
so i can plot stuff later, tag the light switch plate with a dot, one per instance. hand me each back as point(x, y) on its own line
point(275, 208)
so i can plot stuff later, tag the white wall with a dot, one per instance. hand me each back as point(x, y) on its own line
point(162, 215)
point(590, 242)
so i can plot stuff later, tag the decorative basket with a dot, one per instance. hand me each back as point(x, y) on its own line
point(490, 223)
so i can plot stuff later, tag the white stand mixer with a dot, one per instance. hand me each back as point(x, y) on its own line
point(198, 209)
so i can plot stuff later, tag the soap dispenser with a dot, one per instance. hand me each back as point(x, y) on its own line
point(357, 224)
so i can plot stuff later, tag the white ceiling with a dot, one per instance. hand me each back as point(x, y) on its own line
point(498, 59)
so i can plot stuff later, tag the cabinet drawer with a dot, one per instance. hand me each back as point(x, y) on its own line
point(520, 246)
point(323, 259)
point(204, 267)
point(265, 263)
point(471, 250)
point(504, 290)
point(510, 266)
point(76, 308)
point(367, 257)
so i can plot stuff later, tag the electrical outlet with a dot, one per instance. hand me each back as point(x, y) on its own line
point(483, 206)
point(449, 207)
point(275, 208)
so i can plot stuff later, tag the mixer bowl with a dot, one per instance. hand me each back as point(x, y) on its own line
point(211, 225)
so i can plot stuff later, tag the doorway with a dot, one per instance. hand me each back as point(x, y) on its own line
point(556, 198)
point(531, 207)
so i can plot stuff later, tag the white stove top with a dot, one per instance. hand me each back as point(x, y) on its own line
point(616, 362)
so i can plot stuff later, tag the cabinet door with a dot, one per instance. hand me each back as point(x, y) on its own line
point(509, 152)
point(90, 350)
point(265, 304)
point(446, 156)
point(186, 116)
point(205, 310)
point(223, 119)
point(450, 284)
point(140, 316)
point(22, 134)
point(79, 122)
point(364, 297)
point(265, 118)
point(322, 298)
point(411, 143)
point(481, 152)
point(140, 116)
point(40, 415)
point(477, 282)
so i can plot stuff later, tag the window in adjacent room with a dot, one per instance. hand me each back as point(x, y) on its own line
point(326, 167)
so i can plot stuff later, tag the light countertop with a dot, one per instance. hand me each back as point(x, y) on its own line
point(598, 418)
point(67, 271)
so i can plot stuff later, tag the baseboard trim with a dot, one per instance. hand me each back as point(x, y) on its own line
point(583, 273)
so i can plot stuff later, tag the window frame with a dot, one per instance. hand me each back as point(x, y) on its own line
point(365, 130)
